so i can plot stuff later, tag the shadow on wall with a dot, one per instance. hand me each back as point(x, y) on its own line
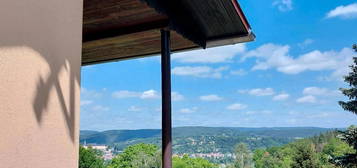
point(44, 87)
point(56, 36)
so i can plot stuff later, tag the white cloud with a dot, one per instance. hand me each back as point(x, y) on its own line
point(292, 121)
point(175, 96)
point(284, 5)
point(293, 113)
point(243, 91)
point(211, 97)
point(239, 72)
point(311, 94)
point(250, 112)
point(307, 99)
point(269, 55)
point(100, 108)
point(90, 94)
point(277, 56)
point(210, 55)
point(319, 115)
point(259, 92)
point(199, 71)
point(86, 102)
point(348, 11)
point(316, 91)
point(281, 97)
point(236, 106)
point(158, 109)
point(305, 43)
point(188, 110)
point(149, 94)
point(262, 112)
point(125, 94)
point(134, 109)
point(266, 112)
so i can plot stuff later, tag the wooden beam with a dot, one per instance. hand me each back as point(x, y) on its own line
point(131, 46)
point(114, 32)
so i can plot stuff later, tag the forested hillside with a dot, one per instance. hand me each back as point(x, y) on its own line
point(315, 152)
point(319, 151)
point(214, 143)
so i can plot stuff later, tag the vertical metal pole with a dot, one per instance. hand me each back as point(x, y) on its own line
point(166, 99)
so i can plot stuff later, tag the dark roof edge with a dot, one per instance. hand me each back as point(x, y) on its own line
point(138, 56)
point(241, 14)
point(230, 40)
point(176, 21)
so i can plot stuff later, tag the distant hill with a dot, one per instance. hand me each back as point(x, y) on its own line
point(194, 140)
point(239, 131)
point(85, 133)
point(118, 136)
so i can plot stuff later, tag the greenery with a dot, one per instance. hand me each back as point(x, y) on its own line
point(146, 156)
point(193, 140)
point(188, 162)
point(312, 152)
point(90, 158)
point(139, 155)
point(126, 136)
point(351, 93)
point(244, 158)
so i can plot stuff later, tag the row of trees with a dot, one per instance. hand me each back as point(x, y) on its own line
point(138, 156)
point(316, 152)
point(323, 151)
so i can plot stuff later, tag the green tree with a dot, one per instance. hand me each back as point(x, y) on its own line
point(305, 156)
point(244, 158)
point(314, 152)
point(187, 162)
point(263, 159)
point(351, 93)
point(349, 159)
point(336, 148)
point(90, 158)
point(137, 156)
point(350, 135)
point(274, 157)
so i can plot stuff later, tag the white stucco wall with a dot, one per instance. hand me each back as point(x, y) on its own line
point(40, 58)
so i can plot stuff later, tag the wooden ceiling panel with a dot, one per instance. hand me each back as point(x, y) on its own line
point(103, 15)
point(129, 46)
point(123, 29)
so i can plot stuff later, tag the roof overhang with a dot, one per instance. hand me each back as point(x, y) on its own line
point(122, 29)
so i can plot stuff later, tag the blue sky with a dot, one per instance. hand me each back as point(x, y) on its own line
point(289, 76)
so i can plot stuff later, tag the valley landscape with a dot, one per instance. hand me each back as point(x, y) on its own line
point(212, 143)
